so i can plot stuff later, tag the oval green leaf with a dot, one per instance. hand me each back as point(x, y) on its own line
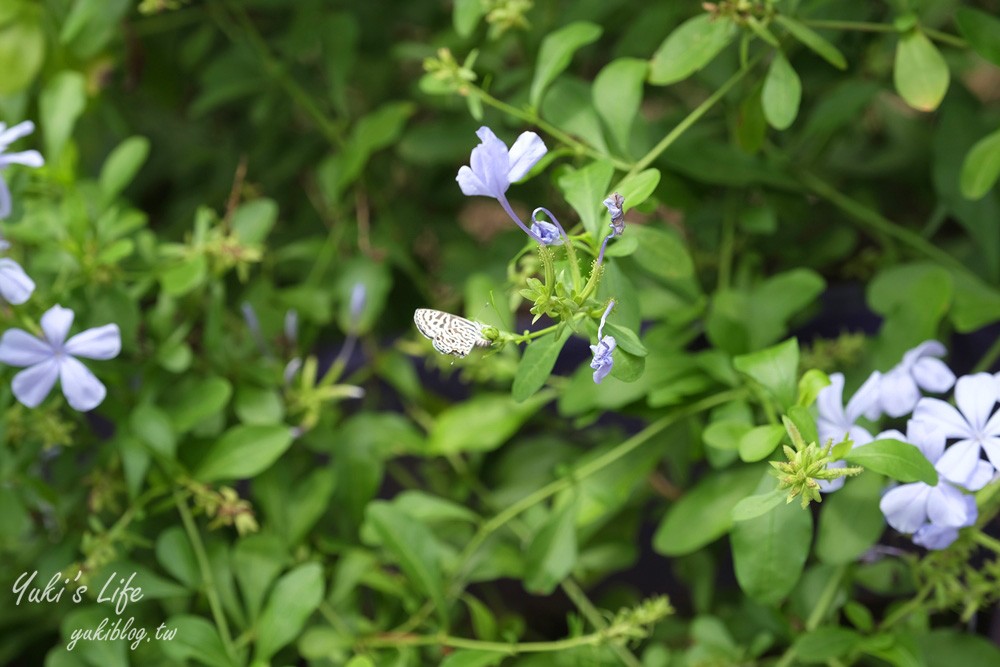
point(617, 94)
point(892, 458)
point(536, 364)
point(244, 451)
point(813, 41)
point(920, 73)
point(981, 167)
point(982, 31)
point(689, 48)
point(556, 53)
point(781, 94)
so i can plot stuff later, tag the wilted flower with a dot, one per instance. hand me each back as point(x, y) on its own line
point(291, 326)
point(603, 362)
point(919, 369)
point(359, 297)
point(494, 167)
point(909, 506)
point(27, 158)
point(836, 422)
point(54, 357)
point(974, 422)
point(614, 203)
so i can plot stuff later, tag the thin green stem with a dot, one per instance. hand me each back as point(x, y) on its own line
point(906, 609)
point(865, 26)
point(826, 599)
point(206, 573)
point(726, 246)
point(587, 469)
point(875, 222)
point(689, 120)
point(984, 540)
point(396, 640)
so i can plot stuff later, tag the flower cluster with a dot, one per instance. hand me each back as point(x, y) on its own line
point(952, 437)
point(50, 356)
point(492, 168)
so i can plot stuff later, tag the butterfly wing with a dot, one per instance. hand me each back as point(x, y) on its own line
point(450, 334)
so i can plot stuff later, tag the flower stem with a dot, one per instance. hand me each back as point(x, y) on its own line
point(586, 470)
point(984, 540)
point(988, 359)
point(206, 572)
point(689, 120)
point(865, 26)
point(396, 640)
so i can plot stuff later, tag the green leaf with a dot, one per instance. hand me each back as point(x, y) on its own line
point(181, 278)
point(781, 94)
point(256, 561)
point(981, 167)
point(920, 73)
point(552, 553)
point(945, 647)
point(898, 460)
point(704, 513)
point(256, 405)
point(617, 95)
point(661, 253)
point(254, 220)
point(244, 451)
point(467, 658)
point(536, 364)
point(687, 49)
point(195, 639)
point(295, 597)
point(59, 105)
point(825, 645)
point(465, 16)
point(770, 550)
point(584, 190)
point(198, 400)
point(626, 339)
point(557, 51)
point(851, 521)
point(413, 547)
point(638, 188)
point(982, 31)
point(810, 384)
point(752, 507)
point(122, 165)
point(152, 425)
point(627, 366)
point(775, 368)
point(22, 49)
point(175, 555)
point(812, 40)
point(481, 424)
point(976, 303)
point(759, 442)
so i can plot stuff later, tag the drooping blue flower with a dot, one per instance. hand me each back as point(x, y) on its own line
point(974, 422)
point(53, 357)
point(549, 233)
point(359, 297)
point(837, 421)
point(603, 361)
point(919, 369)
point(27, 158)
point(908, 507)
point(492, 168)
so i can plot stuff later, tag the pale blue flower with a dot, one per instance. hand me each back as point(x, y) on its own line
point(494, 167)
point(27, 158)
point(837, 422)
point(935, 537)
point(15, 285)
point(974, 422)
point(908, 507)
point(603, 361)
point(359, 297)
point(919, 369)
point(53, 357)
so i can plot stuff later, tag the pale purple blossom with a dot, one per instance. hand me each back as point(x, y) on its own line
point(919, 369)
point(837, 422)
point(934, 537)
point(27, 158)
point(547, 232)
point(973, 422)
point(492, 168)
point(908, 507)
point(53, 357)
point(603, 362)
point(15, 285)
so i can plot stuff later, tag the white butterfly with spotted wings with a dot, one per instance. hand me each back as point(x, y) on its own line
point(449, 333)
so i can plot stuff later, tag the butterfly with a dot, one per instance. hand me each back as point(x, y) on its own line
point(449, 333)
